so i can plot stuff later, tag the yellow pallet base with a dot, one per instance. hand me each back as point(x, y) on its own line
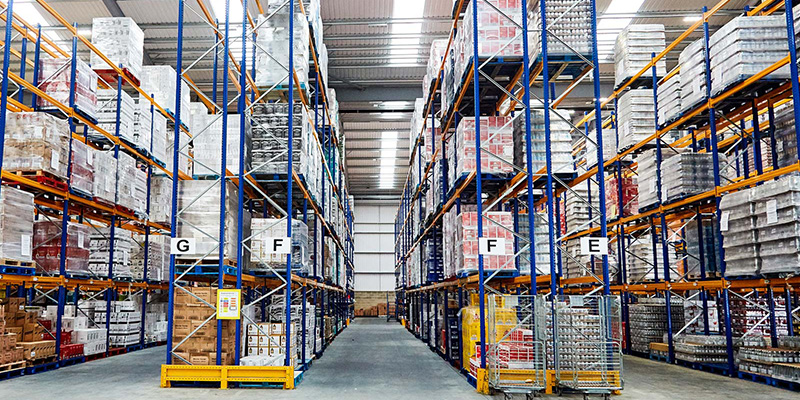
point(225, 374)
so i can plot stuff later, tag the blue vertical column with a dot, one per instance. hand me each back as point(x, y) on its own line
point(479, 189)
point(526, 97)
point(175, 171)
point(549, 192)
point(601, 183)
point(242, 107)
point(712, 126)
point(790, 32)
point(65, 208)
point(145, 276)
point(36, 54)
point(6, 66)
point(664, 246)
point(290, 152)
point(223, 168)
point(22, 63)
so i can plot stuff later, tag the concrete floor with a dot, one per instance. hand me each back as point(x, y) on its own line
point(369, 360)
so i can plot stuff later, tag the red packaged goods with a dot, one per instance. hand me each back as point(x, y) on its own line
point(497, 138)
point(630, 196)
point(47, 247)
point(461, 241)
point(499, 23)
point(54, 73)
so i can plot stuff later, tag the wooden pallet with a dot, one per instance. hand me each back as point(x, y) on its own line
point(16, 263)
point(12, 366)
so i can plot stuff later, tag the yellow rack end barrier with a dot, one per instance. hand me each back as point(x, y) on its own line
point(227, 373)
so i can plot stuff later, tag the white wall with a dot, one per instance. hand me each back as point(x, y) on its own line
point(374, 245)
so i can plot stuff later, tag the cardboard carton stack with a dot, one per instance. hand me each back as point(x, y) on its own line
point(201, 347)
point(85, 329)
point(119, 39)
point(16, 224)
point(99, 246)
point(109, 102)
point(269, 339)
point(69, 348)
point(125, 322)
point(36, 141)
point(10, 352)
point(55, 77)
point(29, 333)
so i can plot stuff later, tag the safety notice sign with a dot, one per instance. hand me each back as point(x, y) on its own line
point(229, 303)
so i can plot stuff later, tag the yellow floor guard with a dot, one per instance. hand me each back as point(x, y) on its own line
point(225, 374)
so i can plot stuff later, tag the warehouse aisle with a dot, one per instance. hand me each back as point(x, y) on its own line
point(372, 360)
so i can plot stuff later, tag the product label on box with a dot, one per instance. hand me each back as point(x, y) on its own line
point(25, 245)
point(229, 303)
point(772, 211)
point(723, 221)
point(54, 158)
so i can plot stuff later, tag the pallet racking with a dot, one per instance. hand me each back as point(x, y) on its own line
point(280, 196)
point(729, 110)
point(333, 299)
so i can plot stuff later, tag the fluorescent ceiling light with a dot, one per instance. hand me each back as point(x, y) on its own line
point(389, 153)
point(390, 135)
point(28, 13)
point(85, 32)
point(406, 9)
point(692, 18)
point(616, 25)
point(235, 11)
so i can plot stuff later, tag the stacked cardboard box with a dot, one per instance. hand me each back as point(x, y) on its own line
point(636, 119)
point(36, 141)
point(269, 339)
point(99, 246)
point(200, 213)
point(687, 174)
point(460, 234)
point(16, 224)
point(188, 316)
point(560, 142)
point(125, 322)
point(155, 323)
point(10, 352)
point(272, 54)
point(131, 184)
point(499, 24)
point(47, 247)
point(634, 48)
point(82, 171)
point(265, 259)
point(104, 186)
point(647, 181)
point(29, 333)
point(55, 80)
point(161, 199)
point(746, 46)
point(121, 41)
point(692, 75)
point(569, 24)
point(497, 138)
point(207, 144)
point(160, 82)
point(109, 103)
point(629, 190)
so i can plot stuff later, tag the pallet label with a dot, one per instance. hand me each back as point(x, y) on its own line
point(492, 246)
point(594, 246)
point(183, 246)
point(279, 245)
point(25, 245)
